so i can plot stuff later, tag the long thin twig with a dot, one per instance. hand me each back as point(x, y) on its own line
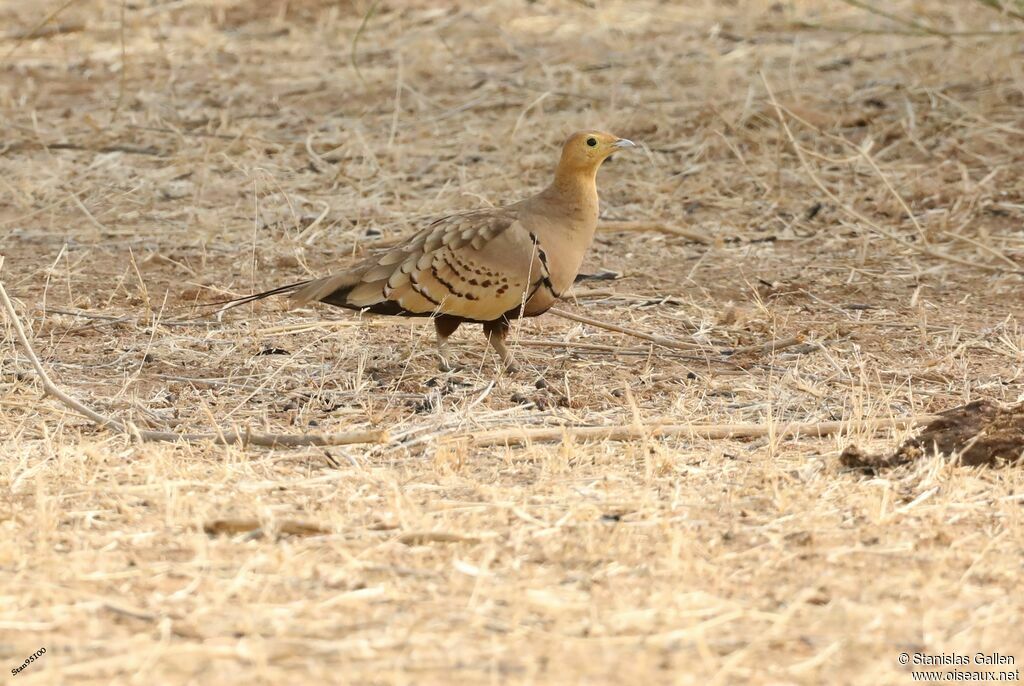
point(767, 348)
point(356, 37)
point(1001, 7)
point(35, 29)
point(628, 432)
point(656, 227)
point(290, 527)
point(225, 437)
point(764, 348)
point(660, 340)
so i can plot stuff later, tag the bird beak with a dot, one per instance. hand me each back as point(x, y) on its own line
point(623, 143)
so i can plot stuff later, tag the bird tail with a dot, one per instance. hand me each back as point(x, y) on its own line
point(333, 290)
point(330, 289)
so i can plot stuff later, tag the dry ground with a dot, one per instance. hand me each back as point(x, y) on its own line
point(205, 148)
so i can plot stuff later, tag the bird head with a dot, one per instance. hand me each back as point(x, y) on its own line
point(584, 151)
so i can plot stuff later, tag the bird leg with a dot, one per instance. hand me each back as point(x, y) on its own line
point(445, 326)
point(496, 332)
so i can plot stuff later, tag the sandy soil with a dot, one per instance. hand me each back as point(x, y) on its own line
point(861, 262)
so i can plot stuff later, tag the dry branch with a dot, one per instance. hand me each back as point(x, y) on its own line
point(422, 537)
point(290, 527)
point(629, 432)
point(763, 348)
point(658, 227)
point(767, 348)
point(228, 436)
point(660, 340)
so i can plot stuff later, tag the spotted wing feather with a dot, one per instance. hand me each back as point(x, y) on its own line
point(477, 266)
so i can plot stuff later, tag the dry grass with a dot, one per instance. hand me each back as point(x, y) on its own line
point(222, 148)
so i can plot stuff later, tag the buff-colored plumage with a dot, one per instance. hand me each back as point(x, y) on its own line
point(487, 266)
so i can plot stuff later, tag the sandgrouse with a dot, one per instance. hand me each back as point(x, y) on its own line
point(488, 266)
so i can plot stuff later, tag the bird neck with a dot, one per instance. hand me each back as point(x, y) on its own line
point(576, 188)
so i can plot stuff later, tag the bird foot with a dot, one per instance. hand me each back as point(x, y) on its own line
point(448, 365)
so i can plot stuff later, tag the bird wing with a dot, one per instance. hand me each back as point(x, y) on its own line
point(477, 265)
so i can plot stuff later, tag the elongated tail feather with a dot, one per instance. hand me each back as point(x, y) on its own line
point(331, 289)
point(236, 302)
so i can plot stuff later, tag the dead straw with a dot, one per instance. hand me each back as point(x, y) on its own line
point(923, 249)
point(227, 436)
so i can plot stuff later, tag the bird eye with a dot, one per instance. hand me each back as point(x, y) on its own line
point(591, 142)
